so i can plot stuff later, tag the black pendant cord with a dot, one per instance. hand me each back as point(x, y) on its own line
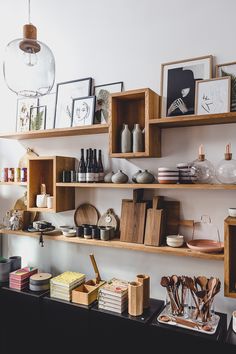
point(41, 241)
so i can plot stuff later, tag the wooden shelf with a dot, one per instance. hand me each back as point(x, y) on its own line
point(194, 120)
point(41, 210)
point(149, 186)
point(183, 251)
point(129, 155)
point(13, 184)
point(59, 132)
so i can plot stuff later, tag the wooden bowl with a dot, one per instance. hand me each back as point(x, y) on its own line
point(206, 246)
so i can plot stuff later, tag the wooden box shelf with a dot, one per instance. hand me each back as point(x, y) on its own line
point(131, 107)
point(230, 259)
point(48, 170)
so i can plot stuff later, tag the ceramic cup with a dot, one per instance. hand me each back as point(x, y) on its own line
point(15, 263)
point(232, 212)
point(50, 202)
point(234, 321)
point(104, 233)
point(41, 200)
point(5, 269)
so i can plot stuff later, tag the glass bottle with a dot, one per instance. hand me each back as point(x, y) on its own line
point(202, 170)
point(226, 169)
point(100, 167)
point(89, 168)
point(95, 166)
point(82, 169)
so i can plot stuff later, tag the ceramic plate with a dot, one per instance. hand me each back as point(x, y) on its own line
point(206, 246)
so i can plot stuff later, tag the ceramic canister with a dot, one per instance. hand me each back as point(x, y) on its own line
point(5, 269)
point(168, 175)
point(15, 263)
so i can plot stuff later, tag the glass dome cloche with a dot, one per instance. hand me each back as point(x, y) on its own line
point(29, 65)
point(226, 169)
point(202, 170)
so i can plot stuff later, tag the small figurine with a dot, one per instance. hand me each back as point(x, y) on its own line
point(15, 221)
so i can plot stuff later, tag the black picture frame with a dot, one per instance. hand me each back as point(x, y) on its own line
point(65, 93)
point(101, 115)
point(37, 108)
point(88, 119)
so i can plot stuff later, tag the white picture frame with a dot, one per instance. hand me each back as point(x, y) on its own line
point(23, 113)
point(65, 93)
point(213, 96)
point(49, 101)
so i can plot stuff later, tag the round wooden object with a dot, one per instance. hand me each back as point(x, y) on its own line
point(145, 280)
point(40, 279)
point(135, 296)
point(109, 219)
point(86, 214)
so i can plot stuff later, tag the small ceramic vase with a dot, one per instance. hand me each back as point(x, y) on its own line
point(134, 177)
point(119, 177)
point(125, 139)
point(137, 138)
point(108, 176)
point(145, 177)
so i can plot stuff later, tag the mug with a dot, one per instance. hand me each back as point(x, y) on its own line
point(15, 263)
point(50, 202)
point(234, 321)
point(41, 200)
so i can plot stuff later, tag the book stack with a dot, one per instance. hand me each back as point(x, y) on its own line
point(113, 296)
point(61, 286)
point(19, 279)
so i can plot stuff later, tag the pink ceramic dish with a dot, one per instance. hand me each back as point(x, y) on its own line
point(206, 246)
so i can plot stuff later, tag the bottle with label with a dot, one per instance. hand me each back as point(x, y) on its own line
point(82, 169)
point(95, 166)
point(100, 167)
point(89, 168)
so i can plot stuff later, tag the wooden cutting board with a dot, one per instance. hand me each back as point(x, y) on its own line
point(133, 216)
point(172, 210)
point(86, 214)
point(154, 230)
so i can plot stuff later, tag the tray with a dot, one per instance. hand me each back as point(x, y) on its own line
point(86, 214)
point(199, 329)
point(206, 246)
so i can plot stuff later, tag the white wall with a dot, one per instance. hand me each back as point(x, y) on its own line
point(112, 41)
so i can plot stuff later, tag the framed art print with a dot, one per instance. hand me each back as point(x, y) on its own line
point(178, 84)
point(23, 113)
point(229, 69)
point(83, 111)
point(102, 93)
point(213, 96)
point(66, 92)
point(38, 117)
point(49, 102)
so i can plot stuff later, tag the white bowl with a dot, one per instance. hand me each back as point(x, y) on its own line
point(69, 233)
point(175, 240)
point(232, 212)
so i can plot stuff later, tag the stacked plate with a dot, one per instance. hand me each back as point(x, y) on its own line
point(167, 175)
point(61, 286)
point(185, 173)
point(40, 282)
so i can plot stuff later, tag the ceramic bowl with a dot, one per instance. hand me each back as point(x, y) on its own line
point(65, 227)
point(175, 240)
point(232, 212)
point(69, 233)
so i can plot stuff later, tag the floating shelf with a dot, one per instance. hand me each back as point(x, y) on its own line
point(194, 120)
point(13, 184)
point(59, 132)
point(183, 251)
point(149, 186)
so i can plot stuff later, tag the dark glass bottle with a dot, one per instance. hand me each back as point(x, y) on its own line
point(89, 168)
point(95, 166)
point(100, 167)
point(82, 169)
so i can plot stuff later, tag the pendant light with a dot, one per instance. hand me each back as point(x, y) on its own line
point(29, 65)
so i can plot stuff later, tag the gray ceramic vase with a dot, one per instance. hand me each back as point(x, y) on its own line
point(125, 139)
point(137, 139)
point(145, 177)
point(120, 177)
point(108, 176)
point(5, 269)
point(134, 177)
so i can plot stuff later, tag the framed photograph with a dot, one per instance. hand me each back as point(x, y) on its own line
point(213, 96)
point(102, 93)
point(38, 117)
point(83, 111)
point(49, 101)
point(23, 113)
point(66, 92)
point(178, 84)
point(229, 69)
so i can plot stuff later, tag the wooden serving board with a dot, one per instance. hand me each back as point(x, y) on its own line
point(172, 217)
point(154, 223)
point(132, 221)
point(86, 214)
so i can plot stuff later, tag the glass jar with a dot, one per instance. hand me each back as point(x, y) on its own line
point(226, 169)
point(202, 170)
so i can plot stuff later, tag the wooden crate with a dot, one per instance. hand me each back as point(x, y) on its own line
point(131, 107)
point(85, 294)
point(229, 258)
point(48, 170)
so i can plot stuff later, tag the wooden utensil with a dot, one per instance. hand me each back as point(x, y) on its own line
point(95, 267)
point(133, 216)
point(154, 230)
point(86, 214)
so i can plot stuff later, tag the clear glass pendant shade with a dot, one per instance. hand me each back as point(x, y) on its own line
point(29, 67)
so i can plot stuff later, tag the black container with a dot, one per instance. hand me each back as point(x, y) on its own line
point(15, 263)
point(95, 232)
point(87, 232)
point(66, 176)
point(79, 231)
point(73, 176)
